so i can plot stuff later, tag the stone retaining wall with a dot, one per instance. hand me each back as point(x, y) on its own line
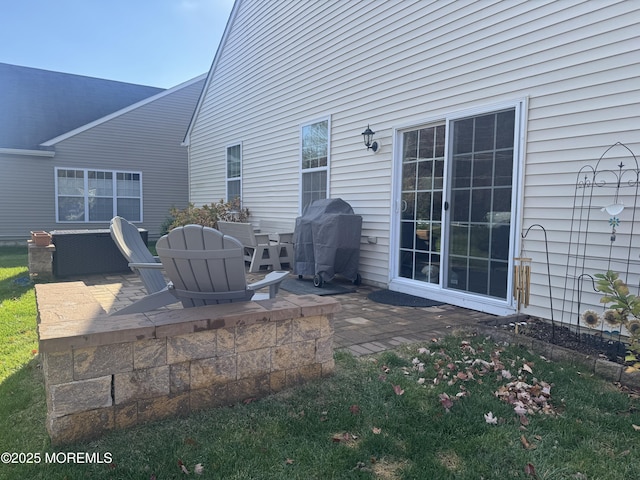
point(103, 373)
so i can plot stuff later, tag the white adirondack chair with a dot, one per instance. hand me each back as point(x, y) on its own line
point(260, 249)
point(205, 267)
point(127, 238)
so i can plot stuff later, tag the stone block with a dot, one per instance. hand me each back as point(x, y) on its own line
point(278, 380)
point(254, 362)
point(254, 387)
point(213, 371)
point(297, 376)
point(91, 362)
point(126, 415)
point(163, 407)
point(301, 329)
point(630, 378)
point(57, 367)
point(293, 355)
point(139, 384)
point(215, 396)
point(226, 341)
point(79, 396)
point(191, 346)
point(328, 368)
point(80, 426)
point(324, 349)
point(609, 370)
point(149, 353)
point(180, 377)
point(571, 356)
point(542, 348)
point(255, 336)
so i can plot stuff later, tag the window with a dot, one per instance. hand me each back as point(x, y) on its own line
point(234, 173)
point(97, 196)
point(314, 162)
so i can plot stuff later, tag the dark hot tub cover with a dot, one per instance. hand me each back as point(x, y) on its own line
point(327, 240)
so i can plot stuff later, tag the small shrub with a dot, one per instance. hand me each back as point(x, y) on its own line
point(623, 307)
point(207, 215)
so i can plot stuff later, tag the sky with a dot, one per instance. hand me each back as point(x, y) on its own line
point(160, 43)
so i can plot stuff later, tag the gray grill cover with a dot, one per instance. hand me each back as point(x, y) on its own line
point(327, 239)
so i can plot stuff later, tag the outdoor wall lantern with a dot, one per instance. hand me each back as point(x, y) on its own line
point(368, 139)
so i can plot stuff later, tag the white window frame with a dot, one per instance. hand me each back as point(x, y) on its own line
point(326, 168)
point(86, 197)
point(226, 170)
point(437, 292)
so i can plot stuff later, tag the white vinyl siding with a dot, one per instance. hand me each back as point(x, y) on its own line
point(400, 63)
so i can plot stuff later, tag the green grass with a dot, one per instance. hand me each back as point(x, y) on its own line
point(17, 311)
point(356, 425)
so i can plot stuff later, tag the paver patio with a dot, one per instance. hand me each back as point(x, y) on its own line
point(362, 326)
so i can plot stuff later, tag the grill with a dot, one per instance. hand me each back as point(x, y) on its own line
point(327, 242)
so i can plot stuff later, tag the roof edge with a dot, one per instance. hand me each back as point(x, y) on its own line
point(26, 152)
point(122, 111)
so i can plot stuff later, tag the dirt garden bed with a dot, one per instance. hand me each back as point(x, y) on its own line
point(599, 353)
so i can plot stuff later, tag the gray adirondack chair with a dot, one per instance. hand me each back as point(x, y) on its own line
point(127, 238)
point(205, 267)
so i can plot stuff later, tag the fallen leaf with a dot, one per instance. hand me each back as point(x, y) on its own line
point(398, 389)
point(182, 467)
point(288, 461)
point(527, 368)
point(526, 444)
point(198, 469)
point(636, 427)
point(376, 430)
point(529, 469)
point(190, 441)
point(445, 400)
point(354, 409)
point(490, 419)
point(520, 409)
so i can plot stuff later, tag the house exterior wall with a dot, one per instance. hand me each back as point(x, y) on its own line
point(146, 139)
point(574, 65)
point(26, 182)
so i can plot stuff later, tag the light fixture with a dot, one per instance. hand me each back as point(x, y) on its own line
point(368, 139)
point(614, 208)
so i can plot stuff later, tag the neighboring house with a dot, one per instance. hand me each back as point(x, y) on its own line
point(75, 151)
point(484, 113)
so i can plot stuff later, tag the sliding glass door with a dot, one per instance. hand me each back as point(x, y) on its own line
point(455, 203)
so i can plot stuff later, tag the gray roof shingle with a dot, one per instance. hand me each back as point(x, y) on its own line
point(38, 105)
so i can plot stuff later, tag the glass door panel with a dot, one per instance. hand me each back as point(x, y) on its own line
point(421, 202)
point(481, 166)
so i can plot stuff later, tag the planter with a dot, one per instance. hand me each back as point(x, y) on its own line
point(41, 238)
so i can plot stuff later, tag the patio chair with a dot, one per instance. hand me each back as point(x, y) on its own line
point(205, 267)
point(260, 249)
point(128, 240)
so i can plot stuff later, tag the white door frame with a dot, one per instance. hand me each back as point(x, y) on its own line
point(436, 291)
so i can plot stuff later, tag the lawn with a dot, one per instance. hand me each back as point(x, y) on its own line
point(456, 408)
